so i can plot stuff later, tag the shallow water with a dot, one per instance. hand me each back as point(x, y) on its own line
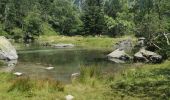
point(64, 61)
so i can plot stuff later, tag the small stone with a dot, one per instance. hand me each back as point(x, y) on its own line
point(69, 97)
point(75, 75)
point(49, 68)
point(18, 73)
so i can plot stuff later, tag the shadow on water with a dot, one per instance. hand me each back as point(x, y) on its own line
point(64, 61)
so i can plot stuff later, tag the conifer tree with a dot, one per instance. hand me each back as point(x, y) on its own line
point(93, 17)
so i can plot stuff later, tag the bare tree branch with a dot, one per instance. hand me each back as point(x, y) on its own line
point(156, 46)
point(166, 36)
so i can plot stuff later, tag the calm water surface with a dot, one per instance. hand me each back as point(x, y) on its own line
point(64, 61)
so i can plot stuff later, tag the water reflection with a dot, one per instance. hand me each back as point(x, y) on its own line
point(64, 61)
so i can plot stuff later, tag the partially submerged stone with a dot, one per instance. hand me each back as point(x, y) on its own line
point(49, 68)
point(118, 56)
point(62, 45)
point(7, 51)
point(75, 75)
point(18, 73)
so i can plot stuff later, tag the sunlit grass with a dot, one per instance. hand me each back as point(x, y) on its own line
point(89, 41)
point(149, 81)
point(139, 81)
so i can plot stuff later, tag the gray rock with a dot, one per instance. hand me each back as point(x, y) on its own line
point(7, 51)
point(125, 45)
point(61, 45)
point(141, 42)
point(118, 56)
point(147, 56)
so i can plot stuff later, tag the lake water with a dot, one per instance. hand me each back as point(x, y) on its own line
point(64, 61)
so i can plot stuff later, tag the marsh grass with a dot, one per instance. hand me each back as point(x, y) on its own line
point(136, 82)
point(149, 81)
point(50, 85)
point(21, 84)
point(90, 74)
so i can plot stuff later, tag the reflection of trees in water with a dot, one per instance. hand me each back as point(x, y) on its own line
point(64, 58)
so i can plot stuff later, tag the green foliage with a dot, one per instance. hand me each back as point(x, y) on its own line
point(93, 17)
point(119, 11)
point(64, 17)
point(48, 30)
point(17, 34)
point(2, 32)
point(110, 25)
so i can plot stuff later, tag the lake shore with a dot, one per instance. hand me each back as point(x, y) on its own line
point(79, 41)
point(137, 81)
point(141, 81)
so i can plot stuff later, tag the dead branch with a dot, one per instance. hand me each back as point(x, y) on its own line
point(166, 36)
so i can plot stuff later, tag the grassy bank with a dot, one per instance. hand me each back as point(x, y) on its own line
point(88, 42)
point(134, 82)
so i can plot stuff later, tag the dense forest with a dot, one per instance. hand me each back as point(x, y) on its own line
point(24, 19)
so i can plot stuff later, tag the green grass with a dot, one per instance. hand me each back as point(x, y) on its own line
point(2, 63)
point(135, 82)
point(88, 42)
point(147, 82)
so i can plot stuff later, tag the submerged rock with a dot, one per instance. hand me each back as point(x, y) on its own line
point(118, 56)
point(18, 73)
point(75, 75)
point(7, 51)
point(61, 45)
point(49, 68)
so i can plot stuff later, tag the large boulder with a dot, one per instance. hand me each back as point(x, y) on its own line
point(7, 51)
point(118, 56)
point(147, 56)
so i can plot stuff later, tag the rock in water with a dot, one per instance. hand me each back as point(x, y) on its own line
point(7, 51)
point(18, 73)
point(49, 68)
point(118, 56)
point(61, 45)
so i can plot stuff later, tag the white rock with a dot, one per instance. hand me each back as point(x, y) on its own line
point(49, 68)
point(75, 75)
point(18, 73)
point(69, 97)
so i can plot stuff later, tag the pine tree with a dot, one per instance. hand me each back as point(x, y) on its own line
point(93, 17)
